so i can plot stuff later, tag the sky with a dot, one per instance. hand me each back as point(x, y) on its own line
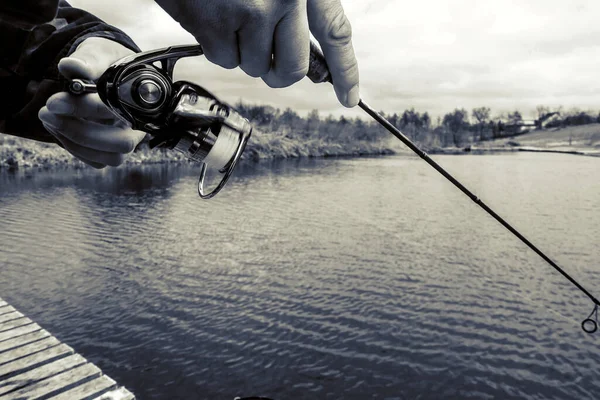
point(433, 55)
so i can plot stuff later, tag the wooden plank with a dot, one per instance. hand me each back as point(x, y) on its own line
point(28, 349)
point(22, 340)
point(6, 326)
point(34, 359)
point(34, 364)
point(10, 316)
point(57, 383)
point(119, 394)
point(18, 332)
point(6, 309)
point(88, 389)
point(41, 373)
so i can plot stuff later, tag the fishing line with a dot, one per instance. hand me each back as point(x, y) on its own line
point(589, 325)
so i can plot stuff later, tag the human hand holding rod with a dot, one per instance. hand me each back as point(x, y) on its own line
point(270, 39)
point(266, 38)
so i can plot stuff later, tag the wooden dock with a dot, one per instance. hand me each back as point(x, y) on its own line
point(36, 365)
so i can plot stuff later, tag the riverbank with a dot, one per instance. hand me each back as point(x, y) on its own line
point(581, 140)
point(17, 152)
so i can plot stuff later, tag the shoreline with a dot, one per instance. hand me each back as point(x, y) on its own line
point(19, 153)
point(529, 149)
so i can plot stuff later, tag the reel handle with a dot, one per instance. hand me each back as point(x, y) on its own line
point(81, 86)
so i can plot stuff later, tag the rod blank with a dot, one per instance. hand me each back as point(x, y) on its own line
point(404, 139)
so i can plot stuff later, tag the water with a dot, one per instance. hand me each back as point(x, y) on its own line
point(352, 278)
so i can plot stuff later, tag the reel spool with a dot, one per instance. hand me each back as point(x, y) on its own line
point(181, 116)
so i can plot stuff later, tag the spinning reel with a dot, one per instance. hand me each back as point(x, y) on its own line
point(178, 115)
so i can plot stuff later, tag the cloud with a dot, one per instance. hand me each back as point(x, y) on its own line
point(431, 55)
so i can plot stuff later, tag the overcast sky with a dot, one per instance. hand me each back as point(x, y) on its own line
point(433, 55)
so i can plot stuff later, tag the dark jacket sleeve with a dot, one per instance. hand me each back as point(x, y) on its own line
point(33, 40)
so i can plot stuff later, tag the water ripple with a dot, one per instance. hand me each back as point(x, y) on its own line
point(293, 284)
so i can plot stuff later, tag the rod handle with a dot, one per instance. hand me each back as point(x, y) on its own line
point(318, 71)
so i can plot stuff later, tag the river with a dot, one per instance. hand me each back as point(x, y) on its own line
point(315, 279)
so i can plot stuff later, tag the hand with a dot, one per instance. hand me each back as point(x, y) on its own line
point(84, 125)
point(270, 38)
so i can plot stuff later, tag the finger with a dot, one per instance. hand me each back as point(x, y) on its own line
point(59, 137)
point(332, 29)
point(92, 156)
point(87, 106)
point(291, 49)
point(105, 138)
point(91, 58)
point(256, 48)
point(221, 49)
point(89, 155)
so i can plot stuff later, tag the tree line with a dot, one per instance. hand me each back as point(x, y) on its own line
point(456, 128)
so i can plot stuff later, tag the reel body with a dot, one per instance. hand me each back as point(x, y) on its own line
point(181, 116)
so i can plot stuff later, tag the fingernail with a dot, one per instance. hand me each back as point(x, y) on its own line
point(60, 107)
point(353, 96)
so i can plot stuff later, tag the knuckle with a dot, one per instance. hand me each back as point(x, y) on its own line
point(290, 4)
point(256, 12)
point(224, 62)
point(339, 29)
point(270, 82)
point(250, 71)
point(291, 76)
point(228, 64)
point(255, 70)
point(349, 73)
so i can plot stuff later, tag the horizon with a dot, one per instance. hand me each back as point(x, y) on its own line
point(461, 54)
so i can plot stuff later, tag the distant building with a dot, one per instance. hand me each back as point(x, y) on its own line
point(546, 119)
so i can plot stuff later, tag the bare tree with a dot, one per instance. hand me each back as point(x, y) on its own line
point(542, 111)
point(515, 118)
point(482, 115)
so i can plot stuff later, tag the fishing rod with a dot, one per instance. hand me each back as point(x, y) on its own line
point(187, 118)
point(319, 73)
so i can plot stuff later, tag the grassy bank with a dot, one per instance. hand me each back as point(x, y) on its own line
point(23, 153)
point(584, 140)
point(580, 140)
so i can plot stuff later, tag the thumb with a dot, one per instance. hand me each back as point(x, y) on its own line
point(91, 58)
point(332, 29)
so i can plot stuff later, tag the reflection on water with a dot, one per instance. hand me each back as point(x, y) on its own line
point(348, 278)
